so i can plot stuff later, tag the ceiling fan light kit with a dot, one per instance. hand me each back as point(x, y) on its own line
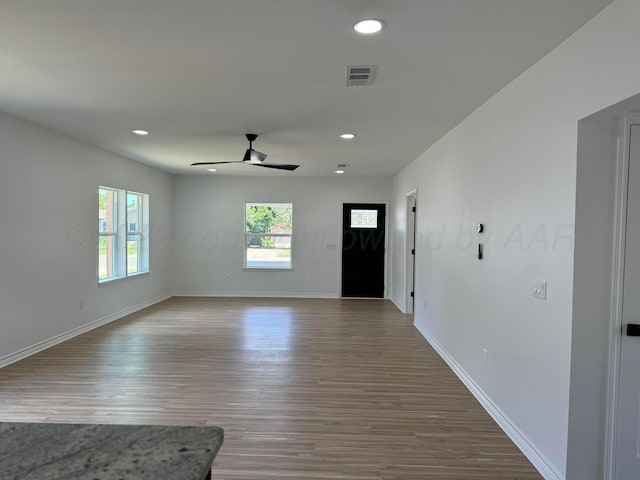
point(251, 155)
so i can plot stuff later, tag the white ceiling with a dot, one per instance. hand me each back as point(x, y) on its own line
point(198, 74)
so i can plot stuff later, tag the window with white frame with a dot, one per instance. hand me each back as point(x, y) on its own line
point(107, 233)
point(123, 240)
point(268, 235)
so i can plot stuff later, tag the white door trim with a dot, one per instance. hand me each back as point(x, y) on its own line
point(410, 270)
point(617, 284)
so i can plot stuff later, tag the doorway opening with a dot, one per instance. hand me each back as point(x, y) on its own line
point(607, 218)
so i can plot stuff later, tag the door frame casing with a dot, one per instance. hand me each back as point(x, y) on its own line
point(410, 260)
point(341, 205)
point(617, 288)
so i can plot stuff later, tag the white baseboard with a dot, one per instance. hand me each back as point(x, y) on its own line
point(539, 461)
point(256, 294)
point(399, 305)
point(38, 347)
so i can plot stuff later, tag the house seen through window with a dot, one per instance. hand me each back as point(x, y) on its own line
point(268, 234)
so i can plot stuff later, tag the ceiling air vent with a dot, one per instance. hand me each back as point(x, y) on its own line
point(361, 76)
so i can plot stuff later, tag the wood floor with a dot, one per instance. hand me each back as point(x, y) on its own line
point(305, 389)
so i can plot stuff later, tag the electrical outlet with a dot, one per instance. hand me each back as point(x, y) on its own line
point(307, 278)
point(540, 289)
point(227, 277)
point(485, 358)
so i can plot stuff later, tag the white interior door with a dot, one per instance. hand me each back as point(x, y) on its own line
point(628, 428)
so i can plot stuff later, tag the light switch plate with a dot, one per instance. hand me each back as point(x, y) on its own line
point(540, 289)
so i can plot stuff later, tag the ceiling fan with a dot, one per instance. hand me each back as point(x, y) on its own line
point(253, 157)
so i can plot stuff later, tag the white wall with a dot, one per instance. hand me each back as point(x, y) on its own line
point(209, 227)
point(512, 165)
point(48, 238)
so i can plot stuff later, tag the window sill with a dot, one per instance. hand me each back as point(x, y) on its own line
point(270, 269)
point(115, 280)
point(137, 275)
point(110, 281)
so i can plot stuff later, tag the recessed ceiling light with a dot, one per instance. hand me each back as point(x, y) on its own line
point(339, 172)
point(368, 26)
point(140, 132)
point(212, 169)
point(347, 136)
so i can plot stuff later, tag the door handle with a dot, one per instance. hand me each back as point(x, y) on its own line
point(633, 330)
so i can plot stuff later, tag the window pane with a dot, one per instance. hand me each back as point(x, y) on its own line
point(134, 212)
point(269, 217)
point(133, 254)
point(107, 209)
point(265, 251)
point(269, 227)
point(364, 219)
point(106, 257)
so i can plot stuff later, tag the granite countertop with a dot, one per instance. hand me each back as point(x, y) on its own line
point(45, 451)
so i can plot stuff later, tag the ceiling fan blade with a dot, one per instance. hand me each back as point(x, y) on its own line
point(282, 166)
point(210, 163)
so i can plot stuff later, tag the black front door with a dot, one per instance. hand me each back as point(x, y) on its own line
point(363, 231)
